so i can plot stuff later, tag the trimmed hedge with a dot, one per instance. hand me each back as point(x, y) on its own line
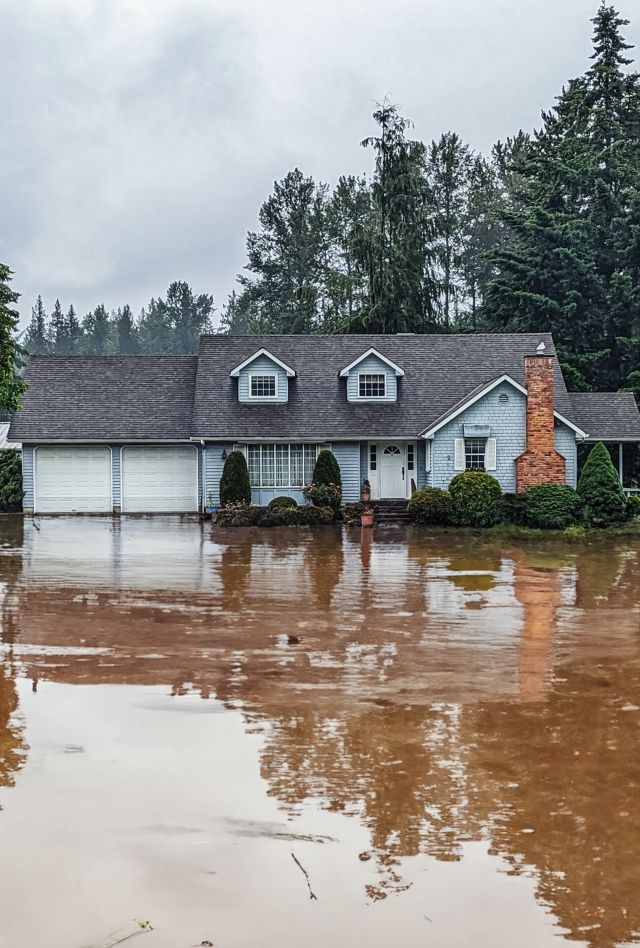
point(599, 487)
point(11, 492)
point(513, 509)
point(431, 505)
point(551, 506)
point(477, 499)
point(281, 503)
point(243, 516)
point(235, 486)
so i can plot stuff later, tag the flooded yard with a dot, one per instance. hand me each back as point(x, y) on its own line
point(436, 735)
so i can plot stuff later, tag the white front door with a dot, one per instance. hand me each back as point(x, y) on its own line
point(392, 471)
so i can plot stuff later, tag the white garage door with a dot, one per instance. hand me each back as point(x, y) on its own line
point(160, 480)
point(73, 480)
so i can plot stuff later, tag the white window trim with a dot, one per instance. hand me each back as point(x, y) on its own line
point(375, 477)
point(262, 375)
point(372, 398)
point(365, 355)
point(256, 355)
point(319, 446)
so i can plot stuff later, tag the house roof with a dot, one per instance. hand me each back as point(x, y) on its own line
point(5, 444)
point(106, 398)
point(607, 416)
point(439, 371)
point(365, 355)
point(256, 355)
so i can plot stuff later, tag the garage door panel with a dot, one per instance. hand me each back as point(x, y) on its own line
point(159, 480)
point(72, 480)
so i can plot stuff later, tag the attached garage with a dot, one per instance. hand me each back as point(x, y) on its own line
point(160, 479)
point(72, 480)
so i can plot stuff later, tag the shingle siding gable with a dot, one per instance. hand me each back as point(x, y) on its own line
point(372, 364)
point(263, 365)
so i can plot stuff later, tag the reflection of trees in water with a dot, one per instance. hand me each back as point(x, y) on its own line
point(11, 540)
point(12, 746)
point(324, 562)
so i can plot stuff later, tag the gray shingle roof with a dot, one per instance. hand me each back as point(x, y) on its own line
point(440, 370)
point(607, 416)
point(106, 398)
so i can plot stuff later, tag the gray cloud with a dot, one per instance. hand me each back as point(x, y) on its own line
point(138, 137)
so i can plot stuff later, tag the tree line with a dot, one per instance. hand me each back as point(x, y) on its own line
point(169, 324)
point(542, 234)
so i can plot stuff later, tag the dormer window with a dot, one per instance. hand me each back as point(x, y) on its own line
point(372, 385)
point(263, 386)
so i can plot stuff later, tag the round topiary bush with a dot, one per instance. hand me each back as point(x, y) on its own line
point(281, 503)
point(235, 486)
point(552, 506)
point(476, 499)
point(431, 505)
point(600, 490)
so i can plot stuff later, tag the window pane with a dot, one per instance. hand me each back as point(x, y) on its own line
point(474, 449)
point(371, 385)
point(631, 465)
point(309, 462)
point(282, 465)
point(373, 457)
point(254, 464)
point(297, 468)
point(263, 386)
point(410, 457)
point(268, 467)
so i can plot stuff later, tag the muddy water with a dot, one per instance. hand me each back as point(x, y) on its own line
point(444, 732)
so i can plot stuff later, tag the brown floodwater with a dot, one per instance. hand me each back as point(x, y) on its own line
point(436, 734)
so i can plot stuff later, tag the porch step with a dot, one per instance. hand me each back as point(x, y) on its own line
point(391, 511)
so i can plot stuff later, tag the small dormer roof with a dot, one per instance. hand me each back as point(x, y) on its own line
point(365, 355)
point(256, 355)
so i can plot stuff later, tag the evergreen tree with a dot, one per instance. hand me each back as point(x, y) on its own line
point(236, 319)
point(600, 490)
point(36, 338)
point(174, 324)
point(348, 210)
point(58, 330)
point(11, 387)
point(282, 292)
point(235, 486)
point(449, 167)
point(97, 332)
point(74, 332)
point(127, 342)
point(570, 266)
point(393, 248)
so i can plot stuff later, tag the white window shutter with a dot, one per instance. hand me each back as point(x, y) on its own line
point(490, 455)
point(459, 459)
point(427, 455)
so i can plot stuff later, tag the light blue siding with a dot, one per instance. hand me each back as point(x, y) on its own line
point(213, 467)
point(27, 476)
point(508, 426)
point(364, 460)
point(565, 441)
point(263, 365)
point(348, 457)
point(372, 364)
point(116, 475)
point(421, 476)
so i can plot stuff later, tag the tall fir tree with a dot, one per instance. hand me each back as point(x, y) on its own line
point(569, 267)
point(36, 339)
point(174, 324)
point(97, 332)
point(348, 211)
point(74, 332)
point(126, 332)
point(58, 330)
point(394, 247)
point(11, 387)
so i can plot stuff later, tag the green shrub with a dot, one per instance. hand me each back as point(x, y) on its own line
point(280, 503)
point(327, 469)
point(240, 516)
point(552, 506)
point(323, 495)
point(11, 492)
point(351, 513)
point(513, 509)
point(476, 499)
point(235, 486)
point(603, 499)
point(633, 506)
point(574, 533)
point(309, 516)
point(431, 505)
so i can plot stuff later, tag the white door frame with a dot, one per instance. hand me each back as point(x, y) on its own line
point(375, 477)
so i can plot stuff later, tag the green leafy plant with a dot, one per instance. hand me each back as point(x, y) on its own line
point(513, 509)
point(235, 486)
point(476, 499)
point(323, 495)
point(603, 499)
point(552, 506)
point(431, 505)
point(281, 503)
point(633, 506)
point(11, 492)
point(327, 469)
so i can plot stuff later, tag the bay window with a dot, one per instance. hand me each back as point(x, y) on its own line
point(281, 465)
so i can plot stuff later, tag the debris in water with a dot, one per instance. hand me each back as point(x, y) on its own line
point(312, 894)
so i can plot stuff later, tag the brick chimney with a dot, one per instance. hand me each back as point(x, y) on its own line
point(540, 463)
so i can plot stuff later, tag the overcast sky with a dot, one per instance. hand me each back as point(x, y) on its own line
point(139, 137)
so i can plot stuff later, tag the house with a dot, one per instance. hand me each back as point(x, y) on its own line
point(146, 434)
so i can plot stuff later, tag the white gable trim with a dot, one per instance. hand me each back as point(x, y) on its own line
point(365, 355)
point(256, 355)
point(485, 391)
